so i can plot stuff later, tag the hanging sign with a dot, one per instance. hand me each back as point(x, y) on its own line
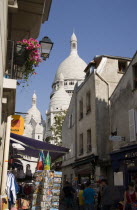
point(17, 124)
point(116, 138)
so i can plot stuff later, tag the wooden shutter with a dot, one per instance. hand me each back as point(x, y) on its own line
point(132, 125)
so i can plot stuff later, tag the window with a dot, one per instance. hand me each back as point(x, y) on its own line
point(71, 83)
point(38, 137)
point(49, 123)
point(135, 75)
point(81, 109)
point(122, 66)
point(74, 46)
point(89, 140)
point(88, 102)
point(132, 124)
point(70, 121)
point(65, 83)
point(81, 144)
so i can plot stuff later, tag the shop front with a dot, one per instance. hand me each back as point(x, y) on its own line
point(124, 163)
point(85, 169)
point(24, 187)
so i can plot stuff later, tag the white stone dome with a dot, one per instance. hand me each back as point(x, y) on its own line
point(73, 66)
point(61, 99)
point(33, 112)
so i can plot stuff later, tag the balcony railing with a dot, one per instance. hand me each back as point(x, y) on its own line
point(13, 71)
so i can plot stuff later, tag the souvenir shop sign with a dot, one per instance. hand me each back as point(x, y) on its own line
point(131, 155)
point(17, 125)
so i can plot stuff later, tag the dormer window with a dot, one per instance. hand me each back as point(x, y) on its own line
point(122, 65)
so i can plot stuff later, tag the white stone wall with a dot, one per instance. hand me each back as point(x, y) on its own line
point(3, 48)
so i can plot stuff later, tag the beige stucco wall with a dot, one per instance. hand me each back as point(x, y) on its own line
point(123, 99)
point(102, 117)
point(88, 120)
point(101, 83)
point(108, 69)
point(68, 133)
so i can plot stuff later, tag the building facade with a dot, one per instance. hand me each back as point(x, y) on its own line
point(70, 71)
point(18, 20)
point(124, 126)
point(90, 119)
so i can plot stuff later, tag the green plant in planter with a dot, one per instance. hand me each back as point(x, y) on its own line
point(32, 56)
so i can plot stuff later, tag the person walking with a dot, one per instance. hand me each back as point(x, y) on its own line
point(80, 197)
point(89, 197)
point(130, 197)
point(106, 196)
point(69, 193)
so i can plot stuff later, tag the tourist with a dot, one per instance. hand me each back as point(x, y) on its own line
point(80, 197)
point(130, 197)
point(69, 194)
point(89, 197)
point(106, 196)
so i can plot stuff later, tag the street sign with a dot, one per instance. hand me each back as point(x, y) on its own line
point(116, 138)
point(17, 124)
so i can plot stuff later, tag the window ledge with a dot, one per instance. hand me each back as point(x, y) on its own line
point(89, 151)
point(120, 72)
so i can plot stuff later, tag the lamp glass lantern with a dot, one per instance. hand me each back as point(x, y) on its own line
point(46, 47)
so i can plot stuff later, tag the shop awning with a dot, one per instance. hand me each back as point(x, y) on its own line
point(32, 147)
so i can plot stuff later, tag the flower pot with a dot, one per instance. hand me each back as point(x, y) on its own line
point(20, 55)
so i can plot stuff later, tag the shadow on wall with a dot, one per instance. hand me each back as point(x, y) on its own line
point(103, 128)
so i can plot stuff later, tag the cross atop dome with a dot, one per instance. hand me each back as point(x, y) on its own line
point(73, 43)
point(73, 37)
point(34, 99)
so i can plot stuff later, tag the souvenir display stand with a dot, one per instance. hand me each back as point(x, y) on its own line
point(47, 190)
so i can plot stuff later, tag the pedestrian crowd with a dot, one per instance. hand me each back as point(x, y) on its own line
point(86, 196)
point(89, 199)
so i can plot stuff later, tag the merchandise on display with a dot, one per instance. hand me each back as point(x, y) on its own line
point(47, 190)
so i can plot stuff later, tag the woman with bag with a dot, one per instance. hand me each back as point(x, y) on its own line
point(130, 198)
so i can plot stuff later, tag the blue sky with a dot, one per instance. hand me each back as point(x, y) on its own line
point(102, 27)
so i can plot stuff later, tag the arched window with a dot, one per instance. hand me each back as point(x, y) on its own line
point(74, 46)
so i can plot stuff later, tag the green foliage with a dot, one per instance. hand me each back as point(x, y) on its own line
point(56, 128)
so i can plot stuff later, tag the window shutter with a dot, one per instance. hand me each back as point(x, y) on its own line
point(69, 122)
point(132, 125)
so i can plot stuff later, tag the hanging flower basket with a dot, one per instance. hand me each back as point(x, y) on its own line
point(27, 56)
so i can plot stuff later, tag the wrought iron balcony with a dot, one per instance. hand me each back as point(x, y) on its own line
point(15, 61)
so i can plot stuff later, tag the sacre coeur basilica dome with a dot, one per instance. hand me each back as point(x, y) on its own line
point(69, 72)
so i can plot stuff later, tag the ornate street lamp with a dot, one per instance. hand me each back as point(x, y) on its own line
point(46, 47)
